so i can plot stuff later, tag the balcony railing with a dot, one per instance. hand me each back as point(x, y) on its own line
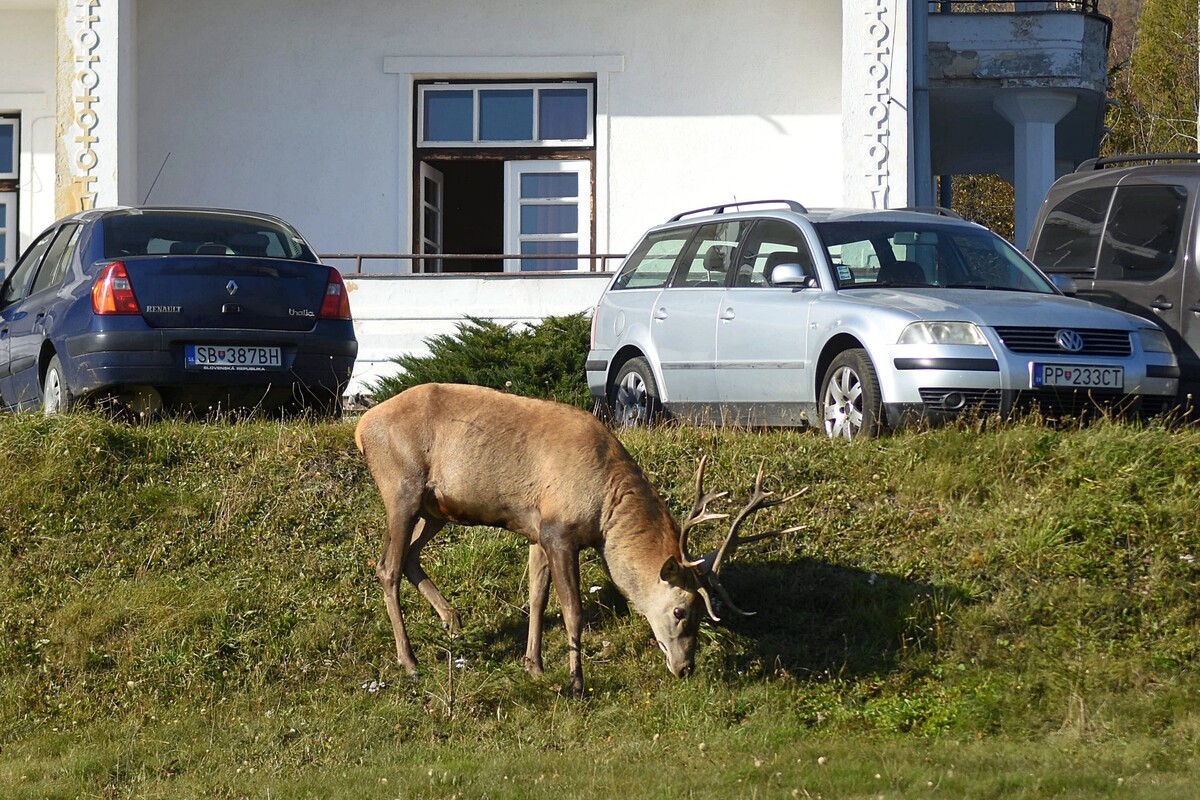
point(965, 6)
point(430, 263)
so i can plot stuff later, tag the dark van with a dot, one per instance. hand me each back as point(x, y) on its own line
point(1125, 228)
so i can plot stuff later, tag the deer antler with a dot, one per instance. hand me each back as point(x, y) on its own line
point(700, 513)
point(713, 561)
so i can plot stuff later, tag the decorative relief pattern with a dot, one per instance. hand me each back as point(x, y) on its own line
point(879, 99)
point(85, 86)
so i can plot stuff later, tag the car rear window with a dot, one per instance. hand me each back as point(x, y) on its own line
point(200, 233)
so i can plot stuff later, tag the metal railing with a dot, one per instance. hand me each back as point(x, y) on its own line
point(430, 263)
point(966, 6)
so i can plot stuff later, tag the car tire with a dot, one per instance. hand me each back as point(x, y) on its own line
point(851, 404)
point(56, 394)
point(633, 397)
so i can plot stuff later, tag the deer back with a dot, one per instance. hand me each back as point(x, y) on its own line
point(482, 457)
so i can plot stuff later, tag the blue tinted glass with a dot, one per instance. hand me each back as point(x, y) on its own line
point(506, 115)
point(3, 215)
point(3, 243)
point(549, 185)
point(550, 219)
point(560, 247)
point(8, 138)
point(449, 116)
point(563, 114)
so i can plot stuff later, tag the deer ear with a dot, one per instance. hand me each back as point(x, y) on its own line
point(674, 573)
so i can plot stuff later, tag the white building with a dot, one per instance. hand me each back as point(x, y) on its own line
point(525, 127)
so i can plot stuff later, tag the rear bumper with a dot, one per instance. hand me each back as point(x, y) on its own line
point(107, 359)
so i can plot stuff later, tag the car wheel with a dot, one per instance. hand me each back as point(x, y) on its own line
point(56, 395)
point(850, 399)
point(633, 397)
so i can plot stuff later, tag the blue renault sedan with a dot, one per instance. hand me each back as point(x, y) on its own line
point(197, 308)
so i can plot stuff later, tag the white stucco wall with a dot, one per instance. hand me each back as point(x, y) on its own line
point(27, 78)
point(287, 107)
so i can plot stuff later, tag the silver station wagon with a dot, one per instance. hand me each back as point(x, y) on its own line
point(856, 321)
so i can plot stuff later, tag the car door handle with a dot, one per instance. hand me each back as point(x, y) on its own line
point(660, 313)
point(728, 315)
point(1195, 308)
point(1162, 304)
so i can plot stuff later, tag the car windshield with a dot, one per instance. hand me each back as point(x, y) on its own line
point(147, 233)
point(880, 253)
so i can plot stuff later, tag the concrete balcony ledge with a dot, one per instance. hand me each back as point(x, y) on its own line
point(1035, 49)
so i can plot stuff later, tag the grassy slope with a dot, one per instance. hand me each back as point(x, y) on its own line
point(190, 610)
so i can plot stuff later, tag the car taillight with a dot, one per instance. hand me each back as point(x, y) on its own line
point(112, 293)
point(336, 304)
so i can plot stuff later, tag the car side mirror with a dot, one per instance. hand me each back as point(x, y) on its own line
point(792, 275)
point(1064, 283)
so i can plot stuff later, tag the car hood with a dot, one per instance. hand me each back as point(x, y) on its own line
point(992, 308)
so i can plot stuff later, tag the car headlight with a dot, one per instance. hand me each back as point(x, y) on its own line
point(1154, 340)
point(942, 333)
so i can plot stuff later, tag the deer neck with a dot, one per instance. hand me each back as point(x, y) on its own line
point(639, 536)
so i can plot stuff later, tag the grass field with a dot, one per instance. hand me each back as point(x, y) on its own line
point(190, 610)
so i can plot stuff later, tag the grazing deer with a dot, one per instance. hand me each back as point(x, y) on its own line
point(452, 453)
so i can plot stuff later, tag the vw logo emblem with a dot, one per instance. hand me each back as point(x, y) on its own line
point(232, 288)
point(1069, 340)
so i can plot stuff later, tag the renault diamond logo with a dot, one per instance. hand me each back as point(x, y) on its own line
point(232, 288)
point(1069, 340)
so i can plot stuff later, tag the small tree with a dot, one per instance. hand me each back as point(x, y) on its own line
point(545, 360)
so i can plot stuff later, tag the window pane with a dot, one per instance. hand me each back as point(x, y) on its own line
point(506, 115)
point(558, 247)
point(549, 185)
point(449, 116)
point(3, 215)
point(8, 140)
point(549, 219)
point(1071, 234)
point(563, 114)
point(649, 265)
point(1141, 240)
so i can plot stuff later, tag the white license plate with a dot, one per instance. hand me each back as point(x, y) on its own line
point(231, 357)
point(1076, 377)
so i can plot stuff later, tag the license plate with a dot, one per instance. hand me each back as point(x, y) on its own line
point(1076, 377)
point(232, 357)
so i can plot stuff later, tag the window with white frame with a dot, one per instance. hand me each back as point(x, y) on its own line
point(505, 114)
point(10, 147)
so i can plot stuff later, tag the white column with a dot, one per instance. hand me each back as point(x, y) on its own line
point(1034, 113)
point(95, 157)
point(876, 98)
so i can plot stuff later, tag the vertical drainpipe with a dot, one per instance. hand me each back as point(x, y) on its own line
point(921, 188)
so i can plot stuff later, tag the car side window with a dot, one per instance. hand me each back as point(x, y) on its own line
point(1070, 236)
point(1141, 240)
point(707, 260)
point(770, 243)
point(18, 279)
point(649, 266)
point(58, 257)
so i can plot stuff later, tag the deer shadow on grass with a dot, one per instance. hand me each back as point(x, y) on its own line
point(811, 617)
point(816, 617)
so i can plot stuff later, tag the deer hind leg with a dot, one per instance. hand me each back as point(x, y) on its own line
point(388, 570)
point(563, 556)
point(424, 530)
point(539, 592)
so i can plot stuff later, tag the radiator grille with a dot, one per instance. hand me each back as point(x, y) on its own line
point(1096, 342)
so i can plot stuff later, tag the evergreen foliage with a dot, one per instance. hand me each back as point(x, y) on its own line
point(545, 360)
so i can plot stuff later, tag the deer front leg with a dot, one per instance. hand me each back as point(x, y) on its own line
point(424, 530)
point(395, 551)
point(539, 592)
point(564, 570)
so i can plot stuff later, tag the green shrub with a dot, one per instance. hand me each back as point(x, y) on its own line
point(545, 360)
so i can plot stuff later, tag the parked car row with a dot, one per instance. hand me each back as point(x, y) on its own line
point(169, 307)
point(854, 321)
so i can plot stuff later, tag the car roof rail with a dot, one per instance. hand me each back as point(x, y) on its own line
point(940, 211)
point(1101, 163)
point(791, 204)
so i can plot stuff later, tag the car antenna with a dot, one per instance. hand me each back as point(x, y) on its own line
point(155, 181)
